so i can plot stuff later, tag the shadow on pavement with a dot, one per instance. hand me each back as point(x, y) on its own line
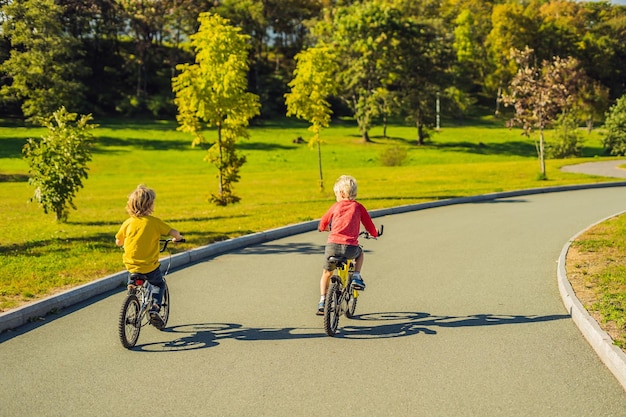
point(370, 326)
point(272, 248)
point(410, 323)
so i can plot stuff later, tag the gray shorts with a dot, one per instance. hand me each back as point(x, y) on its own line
point(333, 249)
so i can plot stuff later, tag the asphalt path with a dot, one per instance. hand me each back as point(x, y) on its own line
point(461, 317)
point(603, 169)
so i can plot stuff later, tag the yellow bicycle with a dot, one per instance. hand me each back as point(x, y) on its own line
point(341, 296)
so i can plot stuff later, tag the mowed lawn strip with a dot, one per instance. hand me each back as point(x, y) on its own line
point(596, 267)
point(279, 186)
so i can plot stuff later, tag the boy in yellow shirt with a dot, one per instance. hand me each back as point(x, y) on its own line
point(140, 235)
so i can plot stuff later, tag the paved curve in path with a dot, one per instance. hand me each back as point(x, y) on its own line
point(603, 169)
point(461, 317)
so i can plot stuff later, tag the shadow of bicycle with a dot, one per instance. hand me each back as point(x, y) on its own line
point(400, 324)
point(365, 326)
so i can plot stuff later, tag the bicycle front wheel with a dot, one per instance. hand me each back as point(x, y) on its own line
point(130, 322)
point(332, 308)
point(165, 305)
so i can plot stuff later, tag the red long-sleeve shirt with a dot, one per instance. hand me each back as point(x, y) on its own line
point(346, 217)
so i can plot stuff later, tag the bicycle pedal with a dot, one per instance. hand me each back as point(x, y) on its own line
point(156, 320)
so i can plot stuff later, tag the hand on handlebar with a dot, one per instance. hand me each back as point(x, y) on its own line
point(367, 235)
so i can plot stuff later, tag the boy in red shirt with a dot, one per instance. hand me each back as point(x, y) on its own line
point(343, 219)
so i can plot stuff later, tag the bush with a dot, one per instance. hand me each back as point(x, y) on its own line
point(58, 161)
point(615, 140)
point(393, 156)
point(569, 142)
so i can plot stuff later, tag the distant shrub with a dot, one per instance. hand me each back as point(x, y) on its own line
point(615, 140)
point(393, 156)
point(569, 141)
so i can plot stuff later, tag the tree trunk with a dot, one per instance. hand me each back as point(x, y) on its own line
point(385, 126)
point(498, 96)
point(542, 157)
point(420, 133)
point(220, 175)
point(319, 160)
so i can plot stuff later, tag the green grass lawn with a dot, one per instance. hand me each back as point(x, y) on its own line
point(278, 186)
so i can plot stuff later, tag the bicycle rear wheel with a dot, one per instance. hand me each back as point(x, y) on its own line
point(130, 322)
point(353, 294)
point(332, 308)
point(164, 313)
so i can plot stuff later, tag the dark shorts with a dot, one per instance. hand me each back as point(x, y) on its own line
point(333, 249)
point(155, 278)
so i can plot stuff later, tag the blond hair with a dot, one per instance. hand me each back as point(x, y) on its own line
point(141, 201)
point(346, 187)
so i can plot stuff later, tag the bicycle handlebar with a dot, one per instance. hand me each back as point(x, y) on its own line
point(167, 241)
point(366, 234)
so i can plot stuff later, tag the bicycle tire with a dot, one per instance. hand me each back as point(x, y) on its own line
point(164, 313)
point(130, 322)
point(332, 308)
point(352, 300)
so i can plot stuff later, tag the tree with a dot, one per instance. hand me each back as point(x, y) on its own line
point(58, 161)
point(615, 140)
point(421, 57)
point(362, 37)
point(44, 64)
point(511, 28)
point(213, 91)
point(313, 82)
point(540, 94)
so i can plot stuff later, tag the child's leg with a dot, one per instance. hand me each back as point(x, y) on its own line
point(156, 278)
point(358, 263)
point(324, 281)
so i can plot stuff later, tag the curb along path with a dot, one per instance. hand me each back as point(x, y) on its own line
point(612, 356)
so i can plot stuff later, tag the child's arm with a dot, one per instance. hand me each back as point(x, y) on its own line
point(324, 225)
point(368, 223)
point(176, 235)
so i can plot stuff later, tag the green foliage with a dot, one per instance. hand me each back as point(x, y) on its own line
point(58, 161)
point(615, 140)
point(569, 140)
point(43, 65)
point(362, 37)
point(212, 93)
point(313, 82)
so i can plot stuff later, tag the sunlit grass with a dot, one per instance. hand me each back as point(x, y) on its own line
point(279, 186)
point(604, 247)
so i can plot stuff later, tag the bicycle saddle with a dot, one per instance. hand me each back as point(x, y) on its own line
point(137, 276)
point(338, 259)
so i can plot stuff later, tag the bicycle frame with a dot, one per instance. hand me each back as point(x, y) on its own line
point(341, 297)
point(144, 291)
point(344, 271)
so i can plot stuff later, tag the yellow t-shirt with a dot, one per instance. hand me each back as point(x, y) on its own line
point(141, 242)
